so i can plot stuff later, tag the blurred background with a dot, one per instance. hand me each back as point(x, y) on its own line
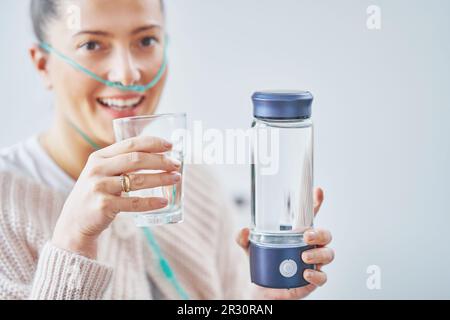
point(381, 110)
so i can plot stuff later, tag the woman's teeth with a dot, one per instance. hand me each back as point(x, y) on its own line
point(121, 104)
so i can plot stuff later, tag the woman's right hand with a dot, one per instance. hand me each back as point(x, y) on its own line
point(96, 197)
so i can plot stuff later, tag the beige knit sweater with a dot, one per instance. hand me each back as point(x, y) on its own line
point(201, 250)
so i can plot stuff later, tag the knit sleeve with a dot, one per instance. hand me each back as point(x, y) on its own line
point(233, 263)
point(30, 266)
point(63, 275)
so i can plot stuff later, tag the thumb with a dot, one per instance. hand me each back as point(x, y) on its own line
point(242, 239)
point(318, 199)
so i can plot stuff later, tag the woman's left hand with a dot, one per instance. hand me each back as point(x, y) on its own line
point(319, 256)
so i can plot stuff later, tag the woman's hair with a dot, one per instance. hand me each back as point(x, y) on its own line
point(43, 11)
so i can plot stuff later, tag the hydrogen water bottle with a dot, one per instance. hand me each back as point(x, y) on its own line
point(282, 187)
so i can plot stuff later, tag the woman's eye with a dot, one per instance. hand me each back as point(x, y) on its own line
point(91, 46)
point(148, 41)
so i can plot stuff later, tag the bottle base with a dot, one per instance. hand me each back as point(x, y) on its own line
point(278, 267)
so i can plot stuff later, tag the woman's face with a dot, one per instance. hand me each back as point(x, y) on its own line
point(120, 41)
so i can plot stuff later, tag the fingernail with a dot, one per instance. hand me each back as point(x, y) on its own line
point(176, 163)
point(167, 145)
point(311, 235)
point(176, 177)
point(308, 274)
point(308, 256)
point(163, 201)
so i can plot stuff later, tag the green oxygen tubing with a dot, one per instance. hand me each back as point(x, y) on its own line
point(137, 88)
point(163, 263)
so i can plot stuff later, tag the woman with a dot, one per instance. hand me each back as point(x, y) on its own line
point(60, 236)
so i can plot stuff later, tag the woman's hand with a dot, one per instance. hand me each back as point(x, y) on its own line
point(96, 197)
point(319, 256)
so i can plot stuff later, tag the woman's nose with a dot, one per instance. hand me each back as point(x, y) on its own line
point(124, 70)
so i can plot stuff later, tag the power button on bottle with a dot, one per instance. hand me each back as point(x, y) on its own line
point(288, 268)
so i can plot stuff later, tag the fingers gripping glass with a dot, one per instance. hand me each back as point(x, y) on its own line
point(137, 88)
point(170, 127)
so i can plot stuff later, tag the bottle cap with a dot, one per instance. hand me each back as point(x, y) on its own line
point(282, 105)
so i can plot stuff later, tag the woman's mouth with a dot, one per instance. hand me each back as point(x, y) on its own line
point(120, 107)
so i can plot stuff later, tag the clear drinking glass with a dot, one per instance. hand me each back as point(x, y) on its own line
point(171, 127)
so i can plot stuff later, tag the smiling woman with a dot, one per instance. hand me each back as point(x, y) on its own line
point(129, 51)
point(61, 190)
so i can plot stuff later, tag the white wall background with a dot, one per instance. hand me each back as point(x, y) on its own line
point(381, 113)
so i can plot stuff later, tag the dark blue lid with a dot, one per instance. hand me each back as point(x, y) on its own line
point(282, 104)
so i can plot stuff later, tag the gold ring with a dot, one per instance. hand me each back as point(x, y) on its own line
point(125, 182)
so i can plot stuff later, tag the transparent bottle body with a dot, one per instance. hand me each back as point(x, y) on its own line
point(282, 196)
